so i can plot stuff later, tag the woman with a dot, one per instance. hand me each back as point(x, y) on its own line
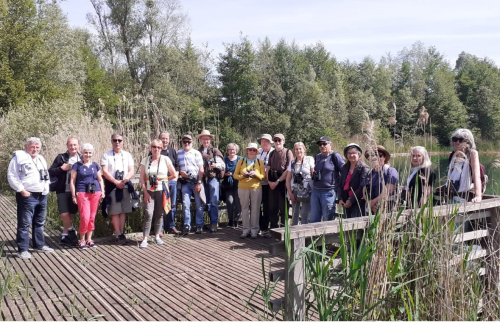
point(298, 183)
point(380, 183)
point(350, 189)
point(87, 188)
point(155, 170)
point(230, 185)
point(250, 172)
point(464, 178)
point(421, 179)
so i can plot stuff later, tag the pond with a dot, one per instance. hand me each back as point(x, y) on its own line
point(440, 164)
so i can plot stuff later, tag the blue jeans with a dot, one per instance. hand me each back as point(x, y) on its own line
point(322, 205)
point(187, 192)
point(212, 194)
point(170, 217)
point(30, 212)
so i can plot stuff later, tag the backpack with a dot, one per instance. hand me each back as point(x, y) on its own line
point(482, 172)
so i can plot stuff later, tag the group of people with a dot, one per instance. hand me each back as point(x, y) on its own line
point(255, 185)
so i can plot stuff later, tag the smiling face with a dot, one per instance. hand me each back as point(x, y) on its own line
point(231, 151)
point(353, 155)
point(325, 147)
point(72, 146)
point(33, 149)
point(251, 153)
point(165, 140)
point(87, 155)
point(265, 144)
point(117, 142)
point(205, 141)
point(278, 143)
point(416, 159)
point(299, 151)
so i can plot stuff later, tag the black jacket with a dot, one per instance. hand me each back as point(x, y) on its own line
point(58, 175)
point(358, 175)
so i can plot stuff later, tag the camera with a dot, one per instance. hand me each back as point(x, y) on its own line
point(119, 175)
point(90, 187)
point(298, 178)
point(316, 176)
point(44, 175)
point(247, 175)
point(153, 180)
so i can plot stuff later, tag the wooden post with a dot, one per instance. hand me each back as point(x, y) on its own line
point(493, 264)
point(295, 307)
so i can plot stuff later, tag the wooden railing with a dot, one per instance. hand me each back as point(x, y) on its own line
point(293, 302)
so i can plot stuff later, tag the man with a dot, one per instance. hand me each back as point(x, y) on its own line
point(279, 159)
point(118, 169)
point(29, 177)
point(172, 184)
point(325, 179)
point(60, 171)
point(266, 147)
point(213, 169)
point(191, 172)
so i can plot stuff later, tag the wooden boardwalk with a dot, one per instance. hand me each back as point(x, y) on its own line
point(196, 277)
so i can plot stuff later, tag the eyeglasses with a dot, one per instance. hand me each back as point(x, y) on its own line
point(155, 147)
point(186, 142)
point(380, 155)
point(252, 150)
point(322, 143)
point(455, 139)
point(277, 140)
point(117, 140)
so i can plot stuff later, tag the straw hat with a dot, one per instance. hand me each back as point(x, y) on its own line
point(205, 133)
point(250, 146)
point(382, 150)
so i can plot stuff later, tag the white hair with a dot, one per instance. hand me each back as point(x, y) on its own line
point(426, 163)
point(87, 146)
point(33, 140)
point(466, 135)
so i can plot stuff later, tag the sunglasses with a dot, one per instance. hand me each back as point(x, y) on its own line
point(455, 139)
point(117, 140)
point(155, 147)
point(277, 140)
point(186, 142)
point(322, 143)
point(252, 150)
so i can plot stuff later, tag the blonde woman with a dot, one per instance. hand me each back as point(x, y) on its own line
point(421, 179)
point(298, 183)
point(155, 170)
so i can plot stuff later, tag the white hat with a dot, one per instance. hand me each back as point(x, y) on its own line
point(251, 146)
point(205, 133)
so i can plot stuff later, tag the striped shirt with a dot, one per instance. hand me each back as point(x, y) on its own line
point(190, 161)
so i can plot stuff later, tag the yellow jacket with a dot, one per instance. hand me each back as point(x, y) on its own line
point(249, 183)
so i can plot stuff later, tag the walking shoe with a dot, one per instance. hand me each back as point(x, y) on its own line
point(122, 239)
point(66, 241)
point(185, 231)
point(266, 234)
point(144, 244)
point(244, 235)
point(44, 249)
point(230, 224)
point(199, 230)
point(173, 231)
point(254, 236)
point(91, 243)
point(159, 241)
point(213, 228)
point(24, 255)
point(83, 244)
point(72, 237)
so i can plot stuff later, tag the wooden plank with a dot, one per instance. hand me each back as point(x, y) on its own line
point(476, 234)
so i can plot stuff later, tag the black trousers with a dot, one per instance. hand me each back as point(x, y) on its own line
point(264, 210)
point(277, 204)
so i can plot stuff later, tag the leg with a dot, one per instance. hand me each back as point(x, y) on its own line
point(148, 217)
point(264, 217)
point(230, 198)
point(94, 204)
point(115, 219)
point(273, 207)
point(282, 204)
point(158, 213)
point(199, 210)
point(304, 212)
point(296, 212)
point(187, 191)
point(315, 203)
point(25, 210)
point(170, 218)
point(122, 217)
point(331, 207)
point(39, 221)
point(212, 194)
point(255, 199)
point(244, 195)
point(83, 200)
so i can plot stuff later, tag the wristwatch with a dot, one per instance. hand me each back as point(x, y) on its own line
point(199, 181)
point(278, 181)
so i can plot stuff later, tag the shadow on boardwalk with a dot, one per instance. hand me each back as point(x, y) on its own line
point(196, 277)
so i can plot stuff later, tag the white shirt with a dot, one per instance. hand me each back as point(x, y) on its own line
point(24, 174)
point(264, 156)
point(117, 161)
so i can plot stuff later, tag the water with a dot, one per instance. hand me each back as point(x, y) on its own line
point(440, 164)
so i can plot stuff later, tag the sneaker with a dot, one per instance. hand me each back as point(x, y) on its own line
point(266, 234)
point(144, 244)
point(83, 244)
point(254, 236)
point(66, 241)
point(213, 228)
point(72, 237)
point(244, 235)
point(185, 231)
point(122, 239)
point(24, 255)
point(91, 243)
point(159, 241)
point(199, 230)
point(44, 249)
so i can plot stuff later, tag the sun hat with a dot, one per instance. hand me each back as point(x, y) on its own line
point(205, 133)
point(251, 146)
point(266, 137)
point(350, 146)
point(382, 150)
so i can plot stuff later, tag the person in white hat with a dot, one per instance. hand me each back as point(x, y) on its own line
point(213, 165)
point(250, 172)
point(265, 142)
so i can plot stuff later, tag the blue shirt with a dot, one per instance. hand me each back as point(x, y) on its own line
point(374, 183)
point(85, 175)
point(329, 166)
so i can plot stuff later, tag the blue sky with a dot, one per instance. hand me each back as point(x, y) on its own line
point(349, 29)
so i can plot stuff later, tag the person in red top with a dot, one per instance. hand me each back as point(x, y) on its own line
point(352, 174)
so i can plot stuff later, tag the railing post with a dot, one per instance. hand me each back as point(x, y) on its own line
point(294, 283)
point(493, 265)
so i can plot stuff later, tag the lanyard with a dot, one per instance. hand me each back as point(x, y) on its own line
point(151, 161)
point(301, 164)
point(247, 161)
point(123, 161)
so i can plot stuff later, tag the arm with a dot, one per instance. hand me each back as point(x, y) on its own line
point(14, 180)
point(58, 167)
point(289, 187)
point(197, 187)
point(101, 183)
point(72, 187)
point(476, 176)
point(237, 171)
point(171, 170)
point(142, 180)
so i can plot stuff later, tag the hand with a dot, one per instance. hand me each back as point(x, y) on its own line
point(273, 185)
point(228, 174)
point(120, 184)
point(102, 195)
point(373, 205)
point(197, 188)
point(75, 200)
point(252, 173)
point(348, 204)
point(292, 198)
point(66, 167)
point(25, 193)
point(477, 199)
point(341, 203)
point(183, 174)
point(147, 197)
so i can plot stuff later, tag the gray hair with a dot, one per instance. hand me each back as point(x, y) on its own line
point(72, 138)
point(33, 140)
point(163, 132)
point(427, 163)
point(87, 147)
point(301, 144)
point(466, 135)
point(115, 135)
point(235, 146)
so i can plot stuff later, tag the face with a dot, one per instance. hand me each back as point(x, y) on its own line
point(165, 140)
point(117, 142)
point(325, 147)
point(278, 143)
point(252, 153)
point(205, 141)
point(458, 144)
point(187, 144)
point(416, 159)
point(33, 149)
point(87, 154)
point(353, 155)
point(266, 144)
point(231, 150)
point(299, 150)
point(73, 146)
point(155, 149)
point(377, 160)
